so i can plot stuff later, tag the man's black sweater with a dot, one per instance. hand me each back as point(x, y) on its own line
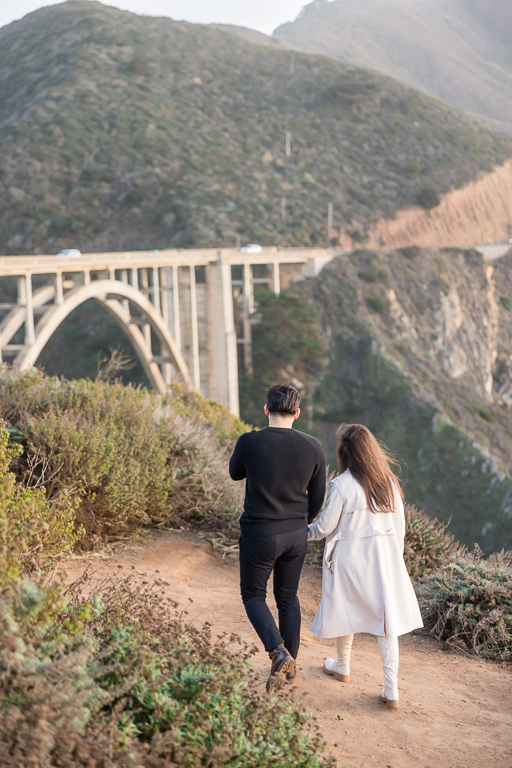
point(285, 480)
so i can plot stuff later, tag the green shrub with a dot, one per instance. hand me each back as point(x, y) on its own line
point(486, 414)
point(377, 303)
point(481, 410)
point(444, 286)
point(33, 531)
point(120, 680)
point(133, 457)
point(428, 545)
point(372, 275)
point(505, 303)
point(428, 197)
point(410, 252)
point(468, 603)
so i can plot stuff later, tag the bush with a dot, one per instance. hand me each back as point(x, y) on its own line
point(119, 681)
point(428, 197)
point(428, 545)
point(372, 275)
point(377, 303)
point(133, 457)
point(411, 252)
point(468, 603)
point(33, 531)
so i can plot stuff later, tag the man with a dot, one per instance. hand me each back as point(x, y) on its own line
point(285, 486)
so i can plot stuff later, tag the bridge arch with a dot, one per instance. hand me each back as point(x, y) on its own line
point(116, 296)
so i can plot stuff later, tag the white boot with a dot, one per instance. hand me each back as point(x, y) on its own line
point(389, 652)
point(340, 666)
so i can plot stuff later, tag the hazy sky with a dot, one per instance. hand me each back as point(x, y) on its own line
point(264, 15)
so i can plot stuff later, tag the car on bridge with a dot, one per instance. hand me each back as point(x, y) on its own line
point(69, 253)
point(251, 248)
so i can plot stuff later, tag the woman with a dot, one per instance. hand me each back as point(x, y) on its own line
point(365, 585)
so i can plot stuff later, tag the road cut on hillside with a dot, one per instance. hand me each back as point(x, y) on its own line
point(455, 710)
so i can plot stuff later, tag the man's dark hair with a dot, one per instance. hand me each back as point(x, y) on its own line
point(283, 398)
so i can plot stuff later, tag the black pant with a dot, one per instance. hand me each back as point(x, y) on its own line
point(284, 554)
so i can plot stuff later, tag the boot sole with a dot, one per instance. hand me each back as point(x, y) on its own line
point(341, 678)
point(391, 703)
point(276, 682)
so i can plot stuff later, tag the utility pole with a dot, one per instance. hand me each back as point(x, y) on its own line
point(283, 208)
point(329, 222)
point(288, 144)
point(292, 64)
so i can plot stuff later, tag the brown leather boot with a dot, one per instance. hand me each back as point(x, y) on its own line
point(282, 663)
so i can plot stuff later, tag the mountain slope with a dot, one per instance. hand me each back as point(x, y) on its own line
point(119, 131)
point(458, 50)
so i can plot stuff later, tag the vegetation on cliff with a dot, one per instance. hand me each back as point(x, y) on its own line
point(120, 131)
point(416, 346)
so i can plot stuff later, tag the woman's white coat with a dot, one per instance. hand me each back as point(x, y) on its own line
point(365, 585)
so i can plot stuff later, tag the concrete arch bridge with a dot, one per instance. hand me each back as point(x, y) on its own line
point(185, 312)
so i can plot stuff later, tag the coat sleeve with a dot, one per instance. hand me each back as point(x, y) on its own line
point(399, 520)
point(316, 488)
point(329, 517)
point(237, 469)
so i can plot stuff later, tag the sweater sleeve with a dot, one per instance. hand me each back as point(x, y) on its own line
point(316, 488)
point(237, 469)
point(330, 517)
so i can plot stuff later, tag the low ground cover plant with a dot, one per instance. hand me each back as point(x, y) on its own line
point(468, 604)
point(123, 680)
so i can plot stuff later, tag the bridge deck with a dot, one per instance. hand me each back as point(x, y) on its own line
point(14, 265)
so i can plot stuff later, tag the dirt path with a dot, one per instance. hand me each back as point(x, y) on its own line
point(455, 711)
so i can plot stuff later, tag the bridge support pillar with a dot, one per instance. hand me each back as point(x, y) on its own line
point(196, 373)
point(59, 288)
point(248, 310)
point(223, 367)
point(25, 299)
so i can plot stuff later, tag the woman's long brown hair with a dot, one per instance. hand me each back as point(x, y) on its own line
point(368, 462)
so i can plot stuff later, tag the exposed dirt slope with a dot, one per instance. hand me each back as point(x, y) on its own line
point(455, 711)
point(480, 212)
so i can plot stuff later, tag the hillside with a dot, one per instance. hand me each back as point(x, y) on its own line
point(120, 131)
point(418, 348)
point(457, 50)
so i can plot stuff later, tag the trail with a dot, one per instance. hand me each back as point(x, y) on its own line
point(455, 711)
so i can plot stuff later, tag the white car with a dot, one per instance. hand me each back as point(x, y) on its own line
point(69, 253)
point(251, 248)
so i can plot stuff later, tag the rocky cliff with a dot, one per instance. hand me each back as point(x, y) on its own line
point(419, 350)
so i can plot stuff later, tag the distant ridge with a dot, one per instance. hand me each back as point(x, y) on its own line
point(458, 50)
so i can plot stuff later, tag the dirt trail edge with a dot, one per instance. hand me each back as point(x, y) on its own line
point(455, 711)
